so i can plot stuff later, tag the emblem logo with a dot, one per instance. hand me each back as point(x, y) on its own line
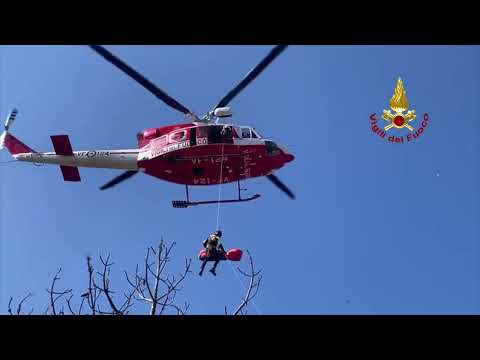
point(398, 119)
point(399, 104)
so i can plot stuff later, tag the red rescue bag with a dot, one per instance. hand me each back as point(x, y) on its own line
point(202, 255)
point(214, 256)
point(234, 254)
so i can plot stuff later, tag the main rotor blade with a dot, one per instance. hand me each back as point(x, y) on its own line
point(147, 84)
point(126, 175)
point(252, 75)
point(280, 185)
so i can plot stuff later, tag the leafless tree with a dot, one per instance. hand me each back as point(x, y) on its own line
point(160, 289)
point(152, 285)
point(252, 290)
point(19, 307)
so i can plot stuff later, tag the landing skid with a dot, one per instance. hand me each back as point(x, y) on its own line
point(183, 204)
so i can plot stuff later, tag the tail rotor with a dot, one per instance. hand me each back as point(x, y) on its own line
point(8, 123)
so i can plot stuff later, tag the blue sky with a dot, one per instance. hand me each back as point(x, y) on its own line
point(377, 228)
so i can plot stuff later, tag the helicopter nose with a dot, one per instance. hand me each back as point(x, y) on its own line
point(288, 156)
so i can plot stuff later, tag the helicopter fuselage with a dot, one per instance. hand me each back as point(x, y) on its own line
point(199, 153)
point(188, 154)
point(209, 154)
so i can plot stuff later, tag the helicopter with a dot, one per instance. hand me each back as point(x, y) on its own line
point(205, 151)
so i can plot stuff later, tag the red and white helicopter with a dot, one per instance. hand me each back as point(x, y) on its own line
point(202, 152)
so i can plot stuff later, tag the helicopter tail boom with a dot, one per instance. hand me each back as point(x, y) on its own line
point(106, 159)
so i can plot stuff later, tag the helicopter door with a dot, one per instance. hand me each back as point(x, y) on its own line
point(227, 135)
point(214, 135)
point(220, 135)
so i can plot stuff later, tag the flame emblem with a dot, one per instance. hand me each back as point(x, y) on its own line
point(399, 104)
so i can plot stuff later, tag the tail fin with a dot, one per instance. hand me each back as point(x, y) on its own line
point(62, 146)
point(10, 119)
point(13, 145)
point(9, 141)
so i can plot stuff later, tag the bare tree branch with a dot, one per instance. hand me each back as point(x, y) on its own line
point(153, 308)
point(161, 289)
point(70, 306)
point(147, 269)
point(252, 288)
point(19, 308)
point(57, 294)
point(174, 286)
point(18, 311)
point(81, 306)
point(152, 281)
point(52, 303)
point(156, 286)
point(129, 296)
point(106, 282)
point(10, 306)
point(92, 298)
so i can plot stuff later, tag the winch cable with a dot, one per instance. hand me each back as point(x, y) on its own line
point(220, 183)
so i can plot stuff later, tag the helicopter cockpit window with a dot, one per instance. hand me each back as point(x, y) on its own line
point(238, 132)
point(257, 133)
point(272, 148)
point(245, 133)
